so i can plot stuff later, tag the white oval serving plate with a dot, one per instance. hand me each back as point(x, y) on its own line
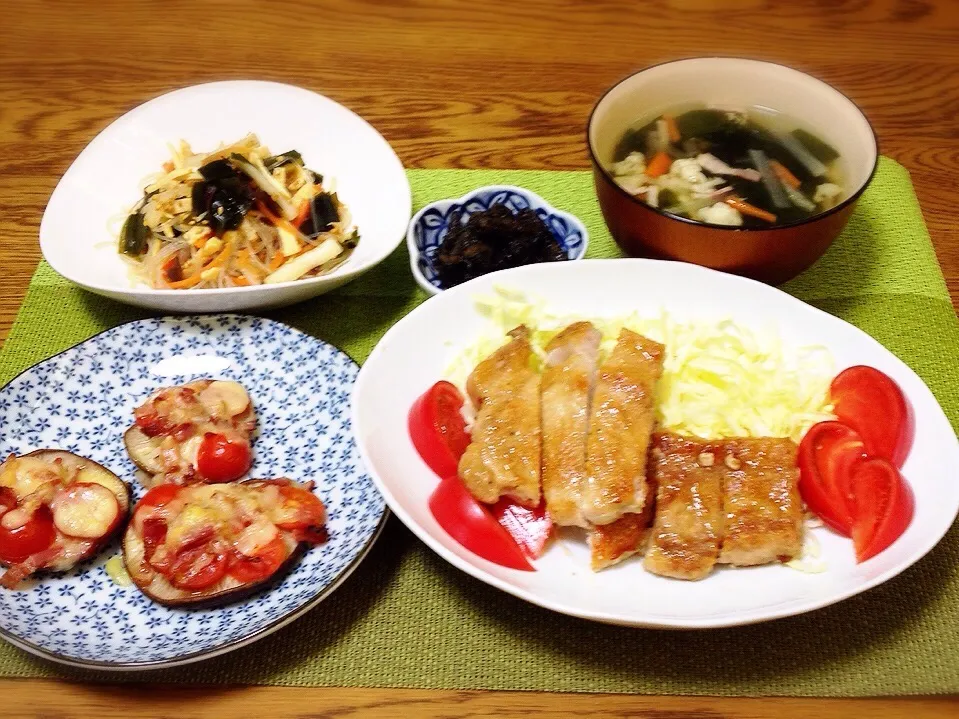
point(78, 233)
point(82, 399)
point(416, 351)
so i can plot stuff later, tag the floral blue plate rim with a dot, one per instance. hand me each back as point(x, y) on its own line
point(574, 225)
point(223, 319)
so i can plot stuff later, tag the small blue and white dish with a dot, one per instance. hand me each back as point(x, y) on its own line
point(82, 399)
point(429, 226)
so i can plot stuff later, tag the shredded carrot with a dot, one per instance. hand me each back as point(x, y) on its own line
point(195, 278)
point(302, 214)
point(659, 165)
point(747, 209)
point(240, 281)
point(278, 259)
point(168, 166)
point(201, 240)
point(672, 128)
point(784, 175)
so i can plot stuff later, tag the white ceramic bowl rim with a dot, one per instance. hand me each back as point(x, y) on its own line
point(464, 199)
point(695, 223)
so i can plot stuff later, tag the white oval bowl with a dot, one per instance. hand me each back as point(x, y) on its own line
point(78, 233)
point(417, 350)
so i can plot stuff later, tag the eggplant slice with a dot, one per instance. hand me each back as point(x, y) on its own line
point(228, 590)
point(144, 451)
point(87, 472)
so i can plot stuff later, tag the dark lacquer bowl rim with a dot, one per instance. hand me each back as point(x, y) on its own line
point(608, 177)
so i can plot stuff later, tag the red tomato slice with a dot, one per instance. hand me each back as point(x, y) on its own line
point(871, 403)
point(38, 534)
point(263, 565)
point(470, 523)
point(438, 429)
point(198, 568)
point(220, 460)
point(8, 500)
point(884, 507)
point(531, 528)
point(160, 495)
point(827, 455)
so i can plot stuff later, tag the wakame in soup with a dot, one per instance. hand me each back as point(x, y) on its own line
point(727, 168)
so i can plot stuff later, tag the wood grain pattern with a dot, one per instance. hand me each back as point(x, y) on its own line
point(74, 701)
point(452, 84)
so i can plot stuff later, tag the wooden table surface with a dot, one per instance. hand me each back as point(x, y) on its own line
point(454, 84)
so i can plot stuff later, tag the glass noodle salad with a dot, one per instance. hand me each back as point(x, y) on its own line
point(235, 217)
point(720, 379)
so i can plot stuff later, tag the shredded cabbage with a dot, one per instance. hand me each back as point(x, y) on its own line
point(720, 379)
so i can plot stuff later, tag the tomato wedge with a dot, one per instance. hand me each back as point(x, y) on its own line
point(221, 460)
point(871, 403)
point(197, 568)
point(38, 534)
point(828, 454)
point(438, 429)
point(884, 507)
point(470, 523)
point(257, 568)
point(531, 528)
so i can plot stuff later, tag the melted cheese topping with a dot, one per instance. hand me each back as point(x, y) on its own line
point(241, 515)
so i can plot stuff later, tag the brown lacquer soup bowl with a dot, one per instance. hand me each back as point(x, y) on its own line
point(772, 254)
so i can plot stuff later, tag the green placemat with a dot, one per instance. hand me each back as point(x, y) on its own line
point(408, 619)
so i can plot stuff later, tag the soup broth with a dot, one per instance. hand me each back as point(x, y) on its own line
point(736, 168)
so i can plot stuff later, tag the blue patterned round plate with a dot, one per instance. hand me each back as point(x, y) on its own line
point(82, 400)
point(429, 226)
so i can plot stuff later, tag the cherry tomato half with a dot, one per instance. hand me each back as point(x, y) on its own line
point(160, 495)
point(531, 528)
point(827, 455)
point(884, 507)
point(308, 516)
point(872, 404)
point(470, 523)
point(438, 429)
point(38, 534)
point(198, 568)
point(264, 564)
point(221, 460)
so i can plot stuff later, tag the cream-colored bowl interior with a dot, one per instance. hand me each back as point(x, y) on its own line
point(738, 83)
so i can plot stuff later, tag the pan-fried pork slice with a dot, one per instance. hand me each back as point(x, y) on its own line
point(621, 420)
point(612, 543)
point(503, 458)
point(761, 503)
point(687, 531)
point(568, 381)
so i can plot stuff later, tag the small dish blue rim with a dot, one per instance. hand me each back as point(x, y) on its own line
point(428, 226)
